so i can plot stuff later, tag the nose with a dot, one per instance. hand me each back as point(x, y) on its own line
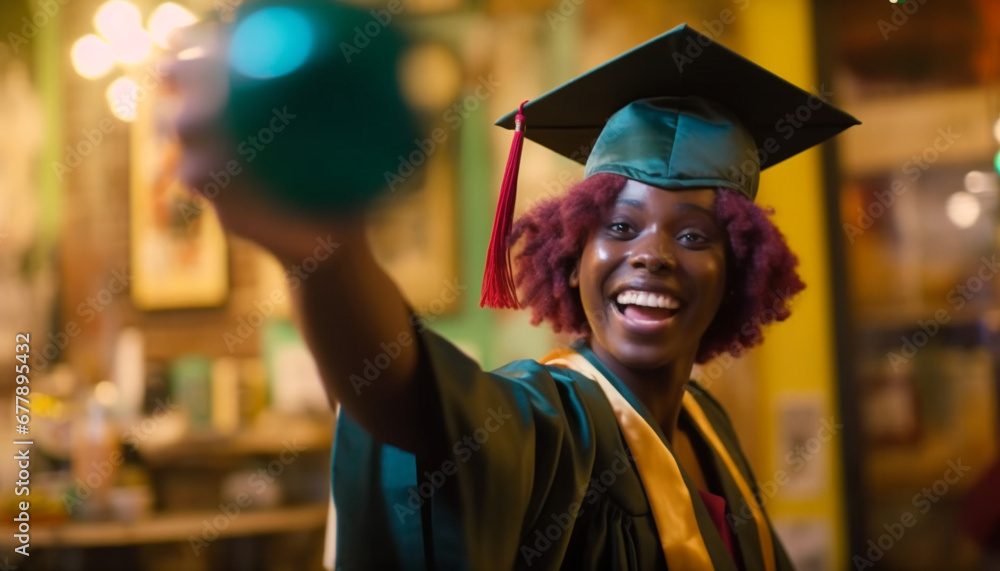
point(654, 253)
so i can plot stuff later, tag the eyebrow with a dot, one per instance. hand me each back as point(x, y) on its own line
point(630, 202)
point(696, 207)
point(682, 206)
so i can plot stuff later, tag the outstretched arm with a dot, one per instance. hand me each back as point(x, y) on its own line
point(349, 312)
point(348, 307)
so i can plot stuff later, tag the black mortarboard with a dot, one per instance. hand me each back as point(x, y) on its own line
point(679, 111)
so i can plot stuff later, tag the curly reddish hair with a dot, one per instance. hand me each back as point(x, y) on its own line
point(760, 269)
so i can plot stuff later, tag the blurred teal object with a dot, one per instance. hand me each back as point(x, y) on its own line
point(191, 389)
point(315, 105)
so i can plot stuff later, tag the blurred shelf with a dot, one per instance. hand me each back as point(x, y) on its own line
point(896, 126)
point(892, 318)
point(165, 528)
point(902, 471)
point(270, 437)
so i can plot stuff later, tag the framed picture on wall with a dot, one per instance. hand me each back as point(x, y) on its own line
point(177, 248)
point(413, 238)
point(412, 231)
point(805, 439)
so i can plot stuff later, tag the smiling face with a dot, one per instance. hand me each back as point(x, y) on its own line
point(652, 275)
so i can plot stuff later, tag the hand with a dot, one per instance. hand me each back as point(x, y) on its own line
point(197, 75)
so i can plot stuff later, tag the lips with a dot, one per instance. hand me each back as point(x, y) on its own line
point(645, 311)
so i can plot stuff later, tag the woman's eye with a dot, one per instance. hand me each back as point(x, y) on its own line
point(693, 238)
point(620, 227)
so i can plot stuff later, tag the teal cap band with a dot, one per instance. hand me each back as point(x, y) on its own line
point(678, 143)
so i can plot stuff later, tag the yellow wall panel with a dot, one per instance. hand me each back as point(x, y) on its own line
point(797, 363)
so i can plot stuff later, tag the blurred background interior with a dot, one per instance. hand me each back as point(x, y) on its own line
point(178, 421)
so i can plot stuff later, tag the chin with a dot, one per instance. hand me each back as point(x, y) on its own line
point(646, 355)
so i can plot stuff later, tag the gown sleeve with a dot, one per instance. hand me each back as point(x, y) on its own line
point(519, 449)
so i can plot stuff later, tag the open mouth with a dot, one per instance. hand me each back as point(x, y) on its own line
point(645, 307)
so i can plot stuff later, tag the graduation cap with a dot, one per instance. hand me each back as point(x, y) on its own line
point(679, 111)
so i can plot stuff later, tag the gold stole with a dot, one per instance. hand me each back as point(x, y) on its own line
point(669, 497)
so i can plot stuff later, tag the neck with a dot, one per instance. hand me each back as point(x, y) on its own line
point(660, 389)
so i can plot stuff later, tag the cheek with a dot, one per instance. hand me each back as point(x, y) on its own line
point(600, 253)
point(716, 272)
point(592, 274)
point(589, 288)
point(711, 279)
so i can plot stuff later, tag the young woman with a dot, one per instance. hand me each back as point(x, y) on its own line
point(605, 456)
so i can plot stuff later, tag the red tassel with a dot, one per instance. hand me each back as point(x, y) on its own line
point(498, 280)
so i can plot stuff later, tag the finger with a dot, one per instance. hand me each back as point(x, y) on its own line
point(199, 74)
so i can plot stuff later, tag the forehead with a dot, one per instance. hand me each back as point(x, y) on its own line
point(643, 195)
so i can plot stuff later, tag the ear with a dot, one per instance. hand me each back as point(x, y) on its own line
point(574, 276)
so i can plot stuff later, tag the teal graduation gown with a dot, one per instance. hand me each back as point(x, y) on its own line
point(538, 476)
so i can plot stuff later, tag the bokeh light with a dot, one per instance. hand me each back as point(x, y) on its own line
point(431, 76)
point(270, 43)
point(165, 19)
point(963, 209)
point(117, 18)
point(132, 48)
point(106, 394)
point(123, 98)
point(978, 181)
point(92, 57)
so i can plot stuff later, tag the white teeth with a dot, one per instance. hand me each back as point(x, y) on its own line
point(647, 299)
